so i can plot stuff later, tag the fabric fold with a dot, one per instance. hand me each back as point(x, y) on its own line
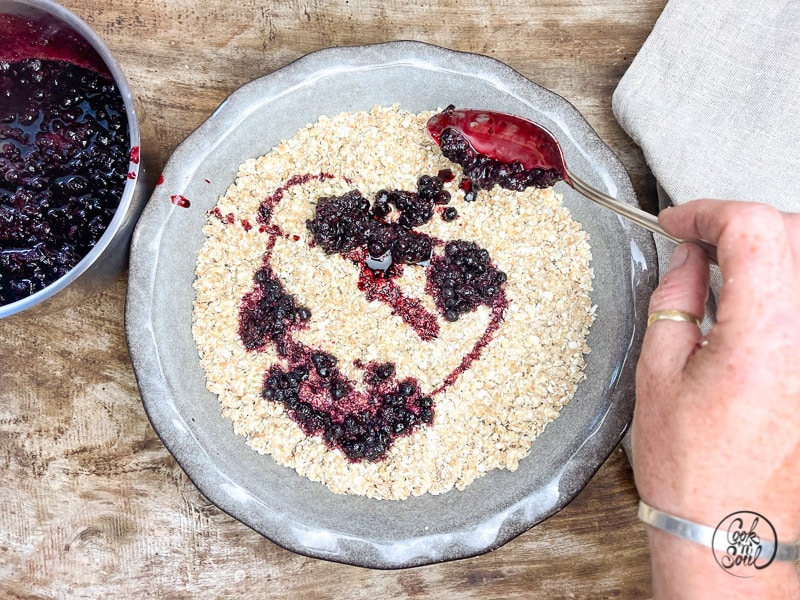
point(712, 99)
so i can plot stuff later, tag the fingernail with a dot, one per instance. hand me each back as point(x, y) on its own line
point(679, 256)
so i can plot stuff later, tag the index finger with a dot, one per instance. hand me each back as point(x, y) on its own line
point(754, 249)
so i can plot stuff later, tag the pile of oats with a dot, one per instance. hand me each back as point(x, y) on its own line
point(488, 417)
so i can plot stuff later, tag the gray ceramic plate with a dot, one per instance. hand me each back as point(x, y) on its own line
point(290, 510)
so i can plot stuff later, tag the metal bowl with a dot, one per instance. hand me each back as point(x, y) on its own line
point(49, 31)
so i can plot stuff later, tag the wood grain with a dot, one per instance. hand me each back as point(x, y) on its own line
point(91, 503)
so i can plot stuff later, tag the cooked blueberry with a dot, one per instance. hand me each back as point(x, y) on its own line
point(320, 359)
point(303, 410)
point(334, 432)
point(261, 276)
point(292, 381)
point(442, 197)
point(449, 214)
point(272, 287)
point(412, 247)
point(463, 278)
point(425, 402)
point(393, 400)
point(427, 182)
point(290, 400)
point(354, 450)
point(339, 389)
point(63, 164)
point(385, 371)
point(378, 248)
point(381, 207)
point(352, 426)
point(409, 418)
point(340, 222)
point(406, 389)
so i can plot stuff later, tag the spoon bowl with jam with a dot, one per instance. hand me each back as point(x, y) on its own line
point(515, 153)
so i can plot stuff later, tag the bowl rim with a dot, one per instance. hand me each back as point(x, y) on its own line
point(48, 7)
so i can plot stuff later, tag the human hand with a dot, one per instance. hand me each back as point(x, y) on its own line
point(717, 420)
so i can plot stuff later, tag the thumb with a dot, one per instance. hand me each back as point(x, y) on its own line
point(668, 344)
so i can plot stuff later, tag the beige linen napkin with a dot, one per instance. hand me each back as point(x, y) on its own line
point(713, 100)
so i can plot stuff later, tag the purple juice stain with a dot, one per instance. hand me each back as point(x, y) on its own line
point(180, 201)
point(64, 158)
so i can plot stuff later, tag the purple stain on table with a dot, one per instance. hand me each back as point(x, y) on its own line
point(180, 201)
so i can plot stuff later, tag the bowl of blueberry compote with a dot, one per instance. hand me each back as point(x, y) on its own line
point(71, 180)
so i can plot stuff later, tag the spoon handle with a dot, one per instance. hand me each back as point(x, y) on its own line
point(632, 213)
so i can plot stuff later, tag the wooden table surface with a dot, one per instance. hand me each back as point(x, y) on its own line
point(91, 503)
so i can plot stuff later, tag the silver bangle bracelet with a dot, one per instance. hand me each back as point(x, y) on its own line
point(704, 535)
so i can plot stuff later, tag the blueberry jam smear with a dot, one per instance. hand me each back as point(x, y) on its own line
point(363, 425)
point(317, 396)
point(64, 156)
point(363, 421)
point(344, 223)
point(268, 313)
point(463, 278)
point(484, 171)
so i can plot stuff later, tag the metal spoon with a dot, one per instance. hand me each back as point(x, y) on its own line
point(509, 139)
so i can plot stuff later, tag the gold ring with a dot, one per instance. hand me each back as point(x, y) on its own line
point(673, 315)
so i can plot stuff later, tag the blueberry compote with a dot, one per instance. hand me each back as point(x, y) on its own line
point(494, 148)
point(463, 278)
point(362, 421)
point(484, 171)
point(347, 222)
point(64, 155)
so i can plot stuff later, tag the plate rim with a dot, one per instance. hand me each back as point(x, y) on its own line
point(144, 349)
